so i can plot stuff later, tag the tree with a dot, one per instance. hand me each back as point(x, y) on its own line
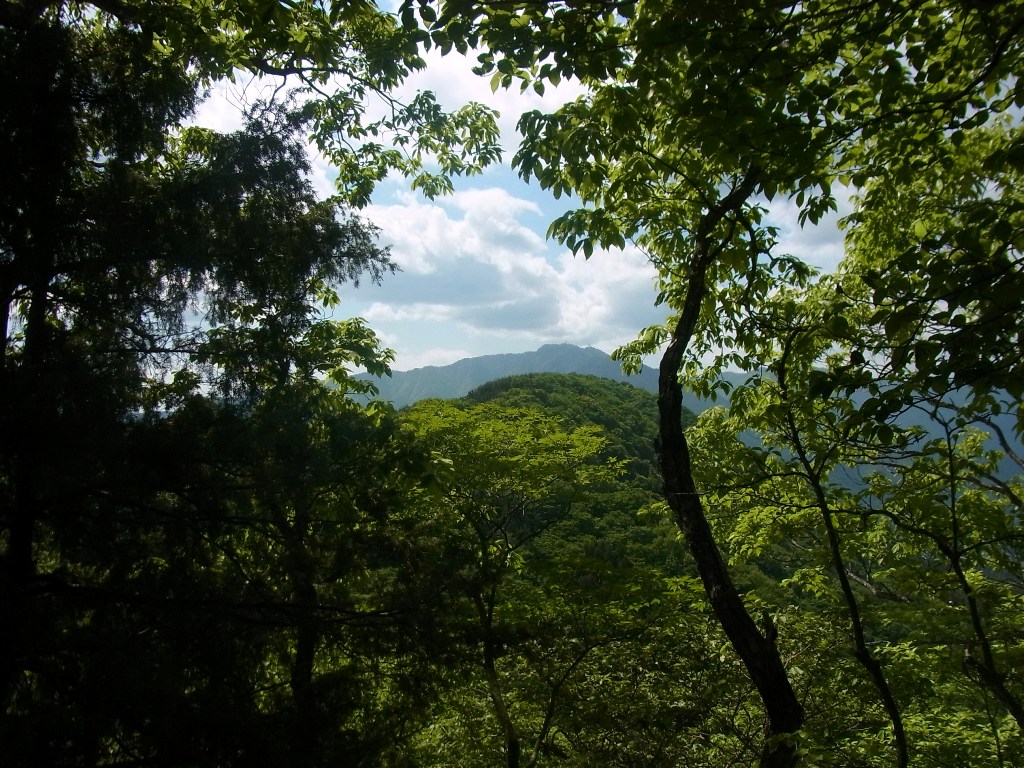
point(199, 532)
point(606, 649)
point(255, 577)
point(345, 59)
point(695, 116)
point(586, 618)
point(514, 474)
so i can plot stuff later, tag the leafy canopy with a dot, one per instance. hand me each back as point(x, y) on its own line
point(696, 117)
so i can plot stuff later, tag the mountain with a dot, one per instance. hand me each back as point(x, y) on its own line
point(464, 376)
point(459, 378)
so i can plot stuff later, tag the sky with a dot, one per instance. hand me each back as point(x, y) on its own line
point(477, 275)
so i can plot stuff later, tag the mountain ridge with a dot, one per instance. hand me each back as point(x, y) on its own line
point(458, 379)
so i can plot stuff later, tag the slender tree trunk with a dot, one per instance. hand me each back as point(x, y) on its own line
point(861, 651)
point(860, 647)
point(6, 302)
point(986, 667)
point(510, 734)
point(549, 712)
point(32, 417)
point(757, 650)
point(305, 727)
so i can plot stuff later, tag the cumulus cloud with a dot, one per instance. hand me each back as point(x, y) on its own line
point(452, 81)
point(609, 297)
point(418, 312)
point(477, 273)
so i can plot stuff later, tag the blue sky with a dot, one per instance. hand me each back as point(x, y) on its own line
point(477, 275)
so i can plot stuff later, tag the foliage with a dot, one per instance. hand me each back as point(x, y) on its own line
point(623, 411)
point(342, 59)
point(697, 116)
point(198, 534)
point(565, 581)
point(247, 577)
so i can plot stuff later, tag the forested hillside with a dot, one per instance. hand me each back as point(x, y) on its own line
point(551, 486)
point(624, 412)
point(217, 549)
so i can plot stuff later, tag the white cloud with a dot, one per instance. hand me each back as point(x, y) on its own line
point(478, 275)
point(224, 108)
point(433, 356)
point(418, 312)
point(481, 225)
point(610, 296)
point(453, 82)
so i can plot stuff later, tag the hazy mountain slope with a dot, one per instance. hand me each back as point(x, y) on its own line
point(459, 378)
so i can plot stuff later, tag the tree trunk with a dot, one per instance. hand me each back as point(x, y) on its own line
point(512, 743)
point(757, 650)
point(17, 564)
point(862, 652)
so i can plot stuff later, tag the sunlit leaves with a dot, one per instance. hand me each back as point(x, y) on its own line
point(949, 302)
point(847, 461)
point(345, 58)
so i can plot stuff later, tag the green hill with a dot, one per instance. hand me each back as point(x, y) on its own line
point(458, 379)
point(627, 413)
